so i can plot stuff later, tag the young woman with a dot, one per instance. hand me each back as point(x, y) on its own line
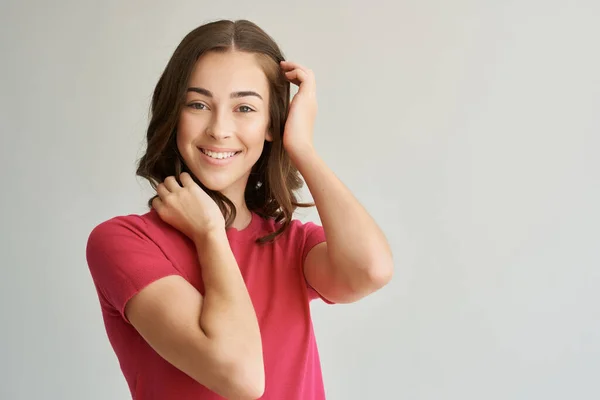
point(207, 295)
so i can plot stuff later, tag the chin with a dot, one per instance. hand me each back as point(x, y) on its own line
point(214, 183)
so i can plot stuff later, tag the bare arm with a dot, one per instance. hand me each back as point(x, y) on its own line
point(215, 339)
point(356, 259)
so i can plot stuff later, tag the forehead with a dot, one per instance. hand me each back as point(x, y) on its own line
point(223, 73)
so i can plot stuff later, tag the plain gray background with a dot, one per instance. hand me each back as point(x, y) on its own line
point(469, 129)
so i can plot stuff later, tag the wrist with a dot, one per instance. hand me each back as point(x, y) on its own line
point(215, 236)
point(303, 155)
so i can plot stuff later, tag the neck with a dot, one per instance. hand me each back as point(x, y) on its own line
point(244, 216)
point(242, 219)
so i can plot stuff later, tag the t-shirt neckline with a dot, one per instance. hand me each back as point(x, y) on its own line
point(248, 232)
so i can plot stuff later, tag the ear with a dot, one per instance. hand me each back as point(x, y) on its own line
point(268, 136)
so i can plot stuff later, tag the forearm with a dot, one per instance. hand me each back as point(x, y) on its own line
point(355, 242)
point(228, 317)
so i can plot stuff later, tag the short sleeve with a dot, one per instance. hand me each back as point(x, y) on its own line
point(313, 235)
point(123, 259)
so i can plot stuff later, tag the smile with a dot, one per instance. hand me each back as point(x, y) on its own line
point(219, 156)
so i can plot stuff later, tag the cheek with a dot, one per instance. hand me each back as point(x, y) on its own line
point(186, 128)
point(256, 129)
point(248, 124)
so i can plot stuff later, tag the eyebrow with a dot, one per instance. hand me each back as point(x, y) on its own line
point(234, 95)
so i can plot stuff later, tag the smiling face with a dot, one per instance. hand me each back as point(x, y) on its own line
point(225, 120)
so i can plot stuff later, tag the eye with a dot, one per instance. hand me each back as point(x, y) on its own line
point(198, 106)
point(245, 109)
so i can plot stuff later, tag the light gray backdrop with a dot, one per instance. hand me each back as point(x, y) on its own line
point(469, 129)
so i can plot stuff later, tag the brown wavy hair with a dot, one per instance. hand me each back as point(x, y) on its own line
point(273, 179)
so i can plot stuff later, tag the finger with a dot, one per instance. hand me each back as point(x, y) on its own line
point(157, 203)
point(290, 65)
point(162, 190)
point(305, 82)
point(296, 76)
point(172, 184)
point(186, 179)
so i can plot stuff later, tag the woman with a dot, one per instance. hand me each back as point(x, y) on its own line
point(207, 295)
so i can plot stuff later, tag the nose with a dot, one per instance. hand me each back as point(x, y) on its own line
point(219, 127)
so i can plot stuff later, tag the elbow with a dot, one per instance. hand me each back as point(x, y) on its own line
point(248, 379)
point(380, 273)
point(242, 379)
point(368, 281)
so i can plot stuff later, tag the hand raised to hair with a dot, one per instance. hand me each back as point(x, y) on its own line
point(298, 133)
point(188, 208)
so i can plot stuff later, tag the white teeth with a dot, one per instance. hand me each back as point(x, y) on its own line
point(218, 156)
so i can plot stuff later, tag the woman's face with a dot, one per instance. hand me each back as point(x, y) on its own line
point(224, 121)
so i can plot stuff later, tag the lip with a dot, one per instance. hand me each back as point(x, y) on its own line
point(215, 161)
point(218, 149)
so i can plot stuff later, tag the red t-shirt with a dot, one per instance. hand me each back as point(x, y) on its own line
point(127, 253)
